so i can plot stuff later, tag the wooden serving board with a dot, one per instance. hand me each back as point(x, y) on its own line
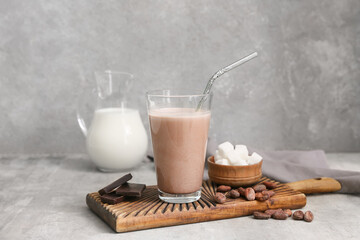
point(150, 212)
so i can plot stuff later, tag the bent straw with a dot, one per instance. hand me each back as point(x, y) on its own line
point(221, 72)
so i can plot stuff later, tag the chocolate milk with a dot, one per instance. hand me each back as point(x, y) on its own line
point(179, 138)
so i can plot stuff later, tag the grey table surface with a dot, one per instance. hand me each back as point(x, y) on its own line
point(43, 197)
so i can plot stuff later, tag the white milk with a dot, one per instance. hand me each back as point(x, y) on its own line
point(117, 139)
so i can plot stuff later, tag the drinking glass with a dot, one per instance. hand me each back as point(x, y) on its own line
point(179, 133)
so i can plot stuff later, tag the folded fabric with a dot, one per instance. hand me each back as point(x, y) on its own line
point(291, 166)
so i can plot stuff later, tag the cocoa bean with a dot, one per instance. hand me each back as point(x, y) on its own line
point(220, 198)
point(288, 212)
point(259, 188)
point(250, 194)
point(271, 211)
point(308, 216)
point(269, 185)
point(261, 215)
point(261, 197)
point(266, 195)
point(241, 190)
point(234, 194)
point(279, 215)
point(298, 215)
point(271, 193)
point(258, 195)
point(223, 188)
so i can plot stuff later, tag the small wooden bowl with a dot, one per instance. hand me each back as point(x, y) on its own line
point(235, 176)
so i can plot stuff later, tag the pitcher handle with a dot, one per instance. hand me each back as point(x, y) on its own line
point(85, 109)
point(86, 101)
point(82, 123)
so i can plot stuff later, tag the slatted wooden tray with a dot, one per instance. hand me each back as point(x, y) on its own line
point(150, 212)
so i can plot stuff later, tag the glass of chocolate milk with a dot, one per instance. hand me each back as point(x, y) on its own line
point(179, 132)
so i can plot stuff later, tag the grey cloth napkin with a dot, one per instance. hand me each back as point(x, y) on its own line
point(291, 166)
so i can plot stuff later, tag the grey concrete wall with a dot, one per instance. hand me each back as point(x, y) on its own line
point(303, 92)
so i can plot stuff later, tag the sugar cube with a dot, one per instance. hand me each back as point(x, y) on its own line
point(254, 158)
point(225, 148)
point(242, 150)
point(234, 158)
point(241, 162)
point(223, 161)
point(217, 156)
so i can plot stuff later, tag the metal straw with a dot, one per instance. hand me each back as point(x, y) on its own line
point(221, 72)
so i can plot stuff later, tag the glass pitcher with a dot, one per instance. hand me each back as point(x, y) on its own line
point(116, 139)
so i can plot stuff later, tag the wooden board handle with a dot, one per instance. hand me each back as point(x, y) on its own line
point(316, 185)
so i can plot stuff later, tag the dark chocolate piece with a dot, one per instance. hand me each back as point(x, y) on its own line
point(115, 184)
point(131, 189)
point(111, 198)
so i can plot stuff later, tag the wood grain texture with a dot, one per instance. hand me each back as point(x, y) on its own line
point(316, 185)
point(235, 176)
point(150, 212)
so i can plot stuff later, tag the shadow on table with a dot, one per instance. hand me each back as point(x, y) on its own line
point(80, 164)
point(97, 223)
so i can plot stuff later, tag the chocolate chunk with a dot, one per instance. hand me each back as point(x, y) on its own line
point(111, 198)
point(131, 189)
point(115, 184)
